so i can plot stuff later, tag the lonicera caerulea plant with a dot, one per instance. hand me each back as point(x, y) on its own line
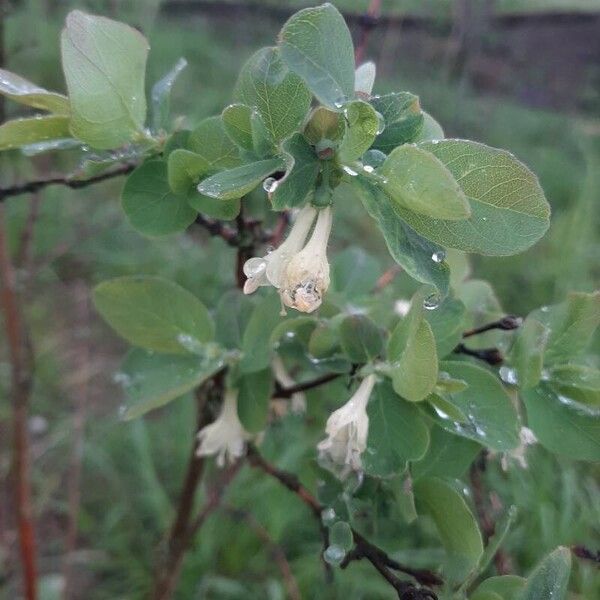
point(431, 382)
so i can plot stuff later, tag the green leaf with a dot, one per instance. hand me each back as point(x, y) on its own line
point(403, 119)
point(340, 534)
point(412, 354)
point(237, 182)
point(447, 322)
point(21, 90)
point(354, 273)
point(527, 354)
point(324, 341)
point(447, 456)
point(431, 130)
point(361, 339)
point(263, 145)
point(154, 313)
point(411, 251)
point(253, 400)
point(231, 318)
point(362, 125)
point(20, 132)
point(562, 425)
point(280, 96)
point(507, 587)
point(236, 120)
point(317, 45)
point(161, 95)
point(152, 380)
point(397, 433)
point(150, 205)
point(225, 210)
point(455, 523)
point(211, 141)
point(104, 63)
point(301, 173)
point(550, 578)
point(571, 325)
point(256, 346)
point(492, 419)
point(419, 182)
point(324, 124)
point(509, 212)
point(579, 382)
point(185, 169)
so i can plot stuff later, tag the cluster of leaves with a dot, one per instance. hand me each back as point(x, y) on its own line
point(305, 128)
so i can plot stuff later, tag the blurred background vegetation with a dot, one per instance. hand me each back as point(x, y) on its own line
point(517, 74)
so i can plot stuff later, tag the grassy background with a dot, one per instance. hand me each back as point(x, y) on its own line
point(132, 471)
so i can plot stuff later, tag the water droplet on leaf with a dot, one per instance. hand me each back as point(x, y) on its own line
point(270, 184)
point(432, 301)
point(438, 256)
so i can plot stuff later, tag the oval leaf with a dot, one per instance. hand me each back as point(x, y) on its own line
point(21, 132)
point(20, 90)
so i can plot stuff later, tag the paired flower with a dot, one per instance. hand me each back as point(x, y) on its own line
point(300, 272)
point(226, 436)
point(347, 430)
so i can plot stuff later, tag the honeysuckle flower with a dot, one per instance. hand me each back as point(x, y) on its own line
point(364, 78)
point(268, 269)
point(306, 276)
point(347, 429)
point(297, 400)
point(225, 437)
point(519, 454)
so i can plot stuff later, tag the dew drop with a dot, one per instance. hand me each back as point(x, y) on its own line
point(334, 555)
point(254, 266)
point(270, 184)
point(508, 375)
point(432, 301)
point(349, 171)
point(189, 343)
point(122, 411)
point(328, 516)
point(368, 169)
point(380, 123)
point(438, 256)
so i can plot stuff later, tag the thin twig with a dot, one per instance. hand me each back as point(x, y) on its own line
point(506, 323)
point(30, 187)
point(288, 392)
point(492, 356)
point(364, 549)
point(587, 554)
point(368, 23)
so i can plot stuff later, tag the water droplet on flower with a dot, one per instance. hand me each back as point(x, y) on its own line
point(438, 256)
point(328, 516)
point(270, 184)
point(334, 555)
point(432, 301)
point(254, 266)
point(380, 123)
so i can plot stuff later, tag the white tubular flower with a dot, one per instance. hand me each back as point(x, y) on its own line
point(306, 277)
point(297, 400)
point(267, 270)
point(225, 437)
point(526, 438)
point(347, 430)
point(364, 79)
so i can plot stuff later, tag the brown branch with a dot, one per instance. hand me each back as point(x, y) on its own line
point(21, 360)
point(387, 277)
point(30, 187)
point(275, 549)
point(492, 356)
point(587, 554)
point(288, 392)
point(506, 323)
point(363, 549)
point(369, 22)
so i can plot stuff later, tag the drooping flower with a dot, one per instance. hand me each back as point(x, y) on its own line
point(347, 429)
point(297, 400)
point(268, 270)
point(225, 437)
point(306, 276)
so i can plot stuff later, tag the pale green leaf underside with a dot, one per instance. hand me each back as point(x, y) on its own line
point(21, 132)
point(550, 579)
point(104, 63)
point(21, 90)
point(317, 45)
point(509, 210)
